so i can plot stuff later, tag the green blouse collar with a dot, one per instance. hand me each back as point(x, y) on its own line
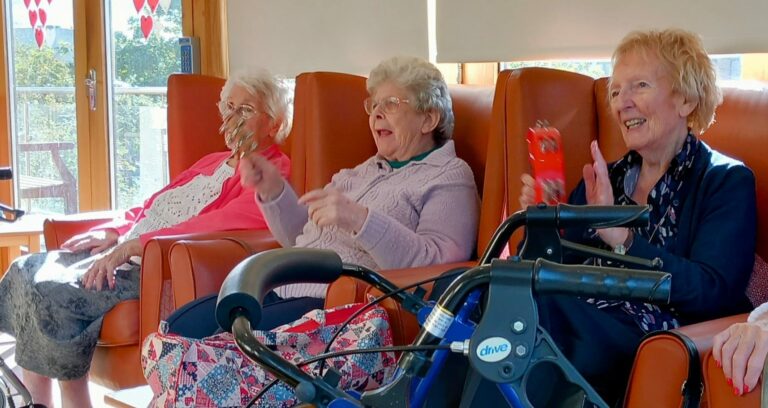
point(398, 164)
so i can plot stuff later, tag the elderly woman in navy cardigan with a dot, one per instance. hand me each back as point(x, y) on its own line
point(663, 94)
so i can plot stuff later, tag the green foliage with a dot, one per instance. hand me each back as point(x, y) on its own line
point(141, 62)
point(43, 67)
point(46, 116)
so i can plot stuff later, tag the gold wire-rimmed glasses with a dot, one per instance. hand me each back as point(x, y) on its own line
point(388, 105)
point(238, 137)
point(245, 111)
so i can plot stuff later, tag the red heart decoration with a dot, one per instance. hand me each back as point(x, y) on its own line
point(39, 37)
point(43, 16)
point(153, 4)
point(139, 4)
point(26, 3)
point(146, 26)
point(32, 17)
point(37, 2)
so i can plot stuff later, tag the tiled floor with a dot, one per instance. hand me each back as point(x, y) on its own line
point(8, 351)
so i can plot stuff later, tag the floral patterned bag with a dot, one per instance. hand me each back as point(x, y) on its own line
point(212, 372)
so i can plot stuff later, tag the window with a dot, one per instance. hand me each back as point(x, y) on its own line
point(63, 160)
point(42, 84)
point(732, 70)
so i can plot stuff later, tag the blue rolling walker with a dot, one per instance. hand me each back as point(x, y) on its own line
point(506, 343)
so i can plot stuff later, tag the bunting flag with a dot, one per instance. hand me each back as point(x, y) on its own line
point(145, 10)
point(38, 19)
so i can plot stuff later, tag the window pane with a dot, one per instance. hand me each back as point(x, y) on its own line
point(594, 68)
point(732, 70)
point(43, 127)
point(145, 51)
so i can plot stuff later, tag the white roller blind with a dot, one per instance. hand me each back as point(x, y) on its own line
point(293, 36)
point(515, 30)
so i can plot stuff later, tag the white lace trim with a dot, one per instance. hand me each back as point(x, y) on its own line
point(181, 203)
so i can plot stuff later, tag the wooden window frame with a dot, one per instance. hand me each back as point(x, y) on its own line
point(207, 20)
point(6, 188)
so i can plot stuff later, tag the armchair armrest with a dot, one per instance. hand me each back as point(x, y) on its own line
point(156, 267)
point(346, 290)
point(56, 231)
point(198, 268)
point(719, 394)
point(661, 364)
point(404, 326)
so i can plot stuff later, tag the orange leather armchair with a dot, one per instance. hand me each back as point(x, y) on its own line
point(330, 133)
point(193, 122)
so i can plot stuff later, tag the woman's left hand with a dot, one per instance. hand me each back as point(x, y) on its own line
point(600, 192)
point(101, 274)
point(741, 350)
point(331, 207)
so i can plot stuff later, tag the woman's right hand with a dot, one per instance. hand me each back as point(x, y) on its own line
point(96, 241)
point(741, 351)
point(261, 175)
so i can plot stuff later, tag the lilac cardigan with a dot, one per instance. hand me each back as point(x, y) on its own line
point(423, 213)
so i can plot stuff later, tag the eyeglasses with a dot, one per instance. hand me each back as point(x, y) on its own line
point(389, 105)
point(245, 111)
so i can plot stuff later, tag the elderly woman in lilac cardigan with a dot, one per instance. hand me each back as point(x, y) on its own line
point(414, 203)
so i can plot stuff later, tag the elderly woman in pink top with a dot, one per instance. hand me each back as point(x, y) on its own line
point(53, 302)
point(414, 203)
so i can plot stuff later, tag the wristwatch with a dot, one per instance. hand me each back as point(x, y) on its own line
point(623, 247)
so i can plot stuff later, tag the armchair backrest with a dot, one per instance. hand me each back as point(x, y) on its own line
point(331, 129)
point(565, 99)
point(472, 107)
point(740, 131)
point(193, 120)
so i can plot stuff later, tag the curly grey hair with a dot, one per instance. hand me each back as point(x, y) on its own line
point(425, 82)
point(273, 92)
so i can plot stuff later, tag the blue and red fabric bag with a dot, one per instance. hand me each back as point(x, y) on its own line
point(213, 372)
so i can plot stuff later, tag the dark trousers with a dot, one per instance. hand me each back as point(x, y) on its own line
point(197, 319)
point(600, 344)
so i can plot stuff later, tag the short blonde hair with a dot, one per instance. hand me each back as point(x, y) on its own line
point(686, 61)
point(271, 90)
point(425, 82)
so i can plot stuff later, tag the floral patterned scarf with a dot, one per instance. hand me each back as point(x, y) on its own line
point(665, 201)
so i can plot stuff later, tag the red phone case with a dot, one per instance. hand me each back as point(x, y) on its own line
point(546, 156)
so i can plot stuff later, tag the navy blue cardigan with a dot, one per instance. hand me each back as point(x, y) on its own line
point(712, 255)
